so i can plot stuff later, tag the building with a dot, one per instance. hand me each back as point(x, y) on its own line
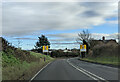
point(103, 41)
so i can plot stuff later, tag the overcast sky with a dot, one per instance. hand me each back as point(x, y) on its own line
point(59, 21)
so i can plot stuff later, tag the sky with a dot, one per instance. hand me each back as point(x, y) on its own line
point(60, 22)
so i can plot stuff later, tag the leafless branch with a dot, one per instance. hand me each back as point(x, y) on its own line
point(85, 35)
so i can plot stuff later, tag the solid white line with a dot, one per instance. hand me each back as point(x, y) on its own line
point(93, 74)
point(39, 72)
point(86, 72)
point(82, 71)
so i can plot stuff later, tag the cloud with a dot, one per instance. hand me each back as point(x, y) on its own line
point(107, 36)
point(60, 0)
point(113, 22)
point(65, 37)
point(69, 37)
point(62, 40)
point(90, 14)
point(65, 43)
point(25, 18)
point(25, 38)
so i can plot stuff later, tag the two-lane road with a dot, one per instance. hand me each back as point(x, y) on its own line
point(74, 69)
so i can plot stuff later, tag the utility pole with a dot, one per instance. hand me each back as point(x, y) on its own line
point(19, 42)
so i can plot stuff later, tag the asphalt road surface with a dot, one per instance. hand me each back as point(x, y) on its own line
point(74, 69)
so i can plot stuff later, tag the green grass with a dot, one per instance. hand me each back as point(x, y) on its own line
point(23, 71)
point(9, 60)
point(104, 59)
point(14, 72)
point(15, 69)
point(39, 55)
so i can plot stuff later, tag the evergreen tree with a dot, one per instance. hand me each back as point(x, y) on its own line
point(42, 41)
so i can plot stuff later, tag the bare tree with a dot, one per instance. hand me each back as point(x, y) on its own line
point(84, 36)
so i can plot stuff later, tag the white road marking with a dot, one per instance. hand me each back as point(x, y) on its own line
point(83, 72)
point(93, 76)
point(39, 72)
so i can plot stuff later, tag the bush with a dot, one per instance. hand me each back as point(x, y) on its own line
point(105, 49)
point(58, 53)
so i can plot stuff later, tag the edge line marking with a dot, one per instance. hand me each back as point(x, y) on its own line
point(86, 72)
point(39, 71)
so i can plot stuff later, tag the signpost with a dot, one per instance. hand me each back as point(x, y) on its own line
point(45, 49)
point(82, 50)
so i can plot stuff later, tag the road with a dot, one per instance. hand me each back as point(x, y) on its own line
point(74, 69)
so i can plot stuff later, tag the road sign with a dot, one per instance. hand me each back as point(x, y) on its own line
point(82, 48)
point(45, 48)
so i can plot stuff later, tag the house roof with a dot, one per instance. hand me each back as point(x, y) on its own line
point(105, 41)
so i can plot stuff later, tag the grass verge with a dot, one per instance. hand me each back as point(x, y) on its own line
point(108, 60)
point(15, 69)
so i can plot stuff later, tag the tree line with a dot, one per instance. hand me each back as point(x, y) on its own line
point(84, 37)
